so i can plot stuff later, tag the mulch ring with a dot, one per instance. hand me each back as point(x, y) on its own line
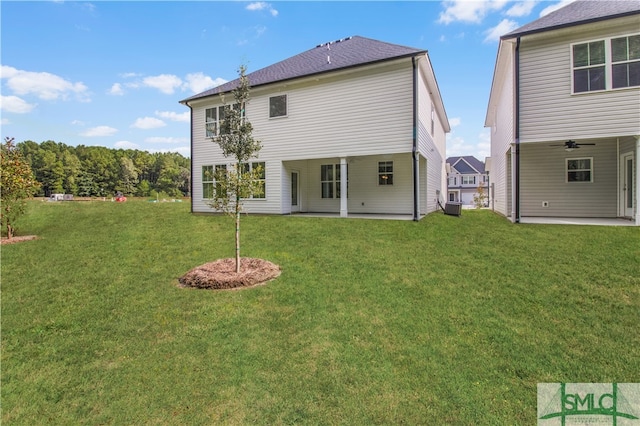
point(221, 274)
point(19, 239)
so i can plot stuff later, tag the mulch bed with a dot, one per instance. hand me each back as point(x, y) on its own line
point(20, 239)
point(221, 274)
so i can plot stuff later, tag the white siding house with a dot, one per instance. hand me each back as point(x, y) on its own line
point(564, 113)
point(355, 116)
point(465, 176)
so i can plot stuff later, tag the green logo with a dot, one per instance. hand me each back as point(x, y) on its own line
point(588, 403)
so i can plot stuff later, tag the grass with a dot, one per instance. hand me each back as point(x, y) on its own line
point(443, 321)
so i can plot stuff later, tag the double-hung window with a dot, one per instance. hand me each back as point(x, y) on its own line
point(211, 122)
point(468, 180)
point(260, 192)
point(209, 186)
point(612, 63)
point(579, 169)
point(330, 180)
point(385, 173)
point(625, 59)
point(589, 67)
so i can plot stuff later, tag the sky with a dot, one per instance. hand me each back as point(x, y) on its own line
point(112, 73)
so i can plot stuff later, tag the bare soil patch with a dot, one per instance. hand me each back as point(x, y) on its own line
point(221, 274)
point(19, 239)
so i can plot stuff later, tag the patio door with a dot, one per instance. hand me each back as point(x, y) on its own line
point(295, 192)
point(626, 184)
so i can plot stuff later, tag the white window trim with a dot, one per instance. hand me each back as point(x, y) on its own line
point(264, 166)
point(608, 65)
point(566, 170)
point(286, 96)
point(384, 173)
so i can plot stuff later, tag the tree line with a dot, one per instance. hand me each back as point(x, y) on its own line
point(96, 171)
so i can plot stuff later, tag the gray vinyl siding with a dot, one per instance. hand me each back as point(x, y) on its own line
point(543, 178)
point(502, 127)
point(549, 110)
point(363, 113)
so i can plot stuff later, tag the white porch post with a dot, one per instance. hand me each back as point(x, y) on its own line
point(343, 187)
point(637, 169)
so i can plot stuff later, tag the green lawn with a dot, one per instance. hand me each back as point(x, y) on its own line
point(444, 321)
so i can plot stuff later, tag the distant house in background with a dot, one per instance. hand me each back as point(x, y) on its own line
point(464, 176)
point(351, 126)
point(564, 113)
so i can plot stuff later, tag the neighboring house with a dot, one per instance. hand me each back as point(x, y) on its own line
point(564, 113)
point(465, 175)
point(355, 117)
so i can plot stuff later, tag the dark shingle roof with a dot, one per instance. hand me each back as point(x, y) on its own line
point(576, 13)
point(466, 164)
point(326, 57)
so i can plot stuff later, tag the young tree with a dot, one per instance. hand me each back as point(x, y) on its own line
point(479, 197)
point(236, 141)
point(16, 184)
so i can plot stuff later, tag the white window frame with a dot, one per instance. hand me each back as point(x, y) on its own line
point(214, 123)
point(212, 180)
point(286, 106)
point(567, 171)
point(627, 61)
point(334, 182)
point(468, 180)
point(250, 167)
point(608, 64)
point(385, 177)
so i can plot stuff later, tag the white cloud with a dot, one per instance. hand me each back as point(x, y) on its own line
point(15, 104)
point(174, 116)
point(126, 145)
point(44, 85)
point(198, 82)
point(454, 122)
point(472, 11)
point(547, 10)
point(77, 123)
point(99, 131)
point(148, 123)
point(505, 26)
point(521, 8)
point(5, 121)
point(166, 83)
point(116, 90)
point(169, 140)
point(261, 5)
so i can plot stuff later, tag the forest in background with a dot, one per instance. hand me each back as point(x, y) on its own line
point(97, 171)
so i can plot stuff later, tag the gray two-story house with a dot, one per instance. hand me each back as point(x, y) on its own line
point(564, 114)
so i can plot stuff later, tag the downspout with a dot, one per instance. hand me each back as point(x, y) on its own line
point(191, 152)
point(414, 149)
point(517, 135)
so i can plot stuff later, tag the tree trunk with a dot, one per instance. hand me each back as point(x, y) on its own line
point(237, 237)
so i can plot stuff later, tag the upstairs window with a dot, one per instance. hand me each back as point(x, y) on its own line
point(211, 122)
point(579, 169)
point(468, 180)
point(278, 106)
point(612, 63)
point(625, 58)
point(588, 67)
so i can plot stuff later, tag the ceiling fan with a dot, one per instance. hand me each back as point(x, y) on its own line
point(571, 145)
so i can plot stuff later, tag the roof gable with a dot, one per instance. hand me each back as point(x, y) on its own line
point(326, 57)
point(466, 165)
point(577, 13)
